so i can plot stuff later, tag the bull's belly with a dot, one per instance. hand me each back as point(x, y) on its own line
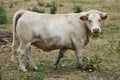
point(44, 46)
point(49, 47)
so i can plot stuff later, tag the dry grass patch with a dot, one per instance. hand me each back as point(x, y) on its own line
point(101, 55)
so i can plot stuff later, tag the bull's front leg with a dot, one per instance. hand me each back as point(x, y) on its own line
point(60, 55)
point(78, 50)
point(79, 57)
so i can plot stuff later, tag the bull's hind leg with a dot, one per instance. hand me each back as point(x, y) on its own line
point(61, 54)
point(30, 59)
point(22, 55)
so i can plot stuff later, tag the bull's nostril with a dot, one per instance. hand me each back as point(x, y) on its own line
point(96, 30)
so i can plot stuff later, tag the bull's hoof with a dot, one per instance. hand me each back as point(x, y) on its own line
point(80, 67)
point(55, 67)
point(35, 69)
point(23, 70)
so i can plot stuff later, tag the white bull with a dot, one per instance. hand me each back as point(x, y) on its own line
point(50, 32)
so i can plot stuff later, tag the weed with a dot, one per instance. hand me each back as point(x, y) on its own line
point(35, 9)
point(47, 5)
point(26, 0)
point(2, 2)
point(60, 5)
point(38, 76)
point(118, 48)
point(40, 2)
point(77, 9)
point(11, 5)
point(3, 16)
point(92, 63)
point(50, 5)
point(66, 61)
point(96, 35)
point(53, 8)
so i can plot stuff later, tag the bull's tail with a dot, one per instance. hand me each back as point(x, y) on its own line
point(16, 17)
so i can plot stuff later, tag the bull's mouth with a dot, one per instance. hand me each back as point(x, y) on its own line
point(96, 32)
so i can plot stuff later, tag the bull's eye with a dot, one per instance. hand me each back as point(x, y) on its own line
point(99, 20)
point(90, 20)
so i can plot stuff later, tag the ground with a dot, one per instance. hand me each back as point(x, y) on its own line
point(101, 55)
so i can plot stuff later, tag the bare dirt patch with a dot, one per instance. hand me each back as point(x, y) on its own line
point(5, 43)
point(5, 37)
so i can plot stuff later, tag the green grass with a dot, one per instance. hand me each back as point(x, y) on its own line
point(6, 27)
point(111, 29)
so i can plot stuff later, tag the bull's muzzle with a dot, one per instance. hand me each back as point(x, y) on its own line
point(96, 30)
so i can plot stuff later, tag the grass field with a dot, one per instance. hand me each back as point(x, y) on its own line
point(101, 55)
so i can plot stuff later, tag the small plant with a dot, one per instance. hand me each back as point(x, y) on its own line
point(26, 0)
point(60, 5)
point(40, 2)
point(77, 9)
point(118, 47)
point(35, 9)
point(96, 35)
point(3, 16)
point(53, 8)
point(38, 76)
point(50, 5)
point(11, 5)
point(47, 5)
point(92, 63)
point(2, 2)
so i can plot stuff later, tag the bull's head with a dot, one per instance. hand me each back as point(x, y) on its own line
point(92, 19)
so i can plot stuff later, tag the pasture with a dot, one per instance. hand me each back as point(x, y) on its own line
point(101, 56)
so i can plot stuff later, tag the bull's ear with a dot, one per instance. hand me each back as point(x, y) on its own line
point(104, 16)
point(84, 18)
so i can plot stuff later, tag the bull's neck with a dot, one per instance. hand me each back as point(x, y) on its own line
point(87, 34)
